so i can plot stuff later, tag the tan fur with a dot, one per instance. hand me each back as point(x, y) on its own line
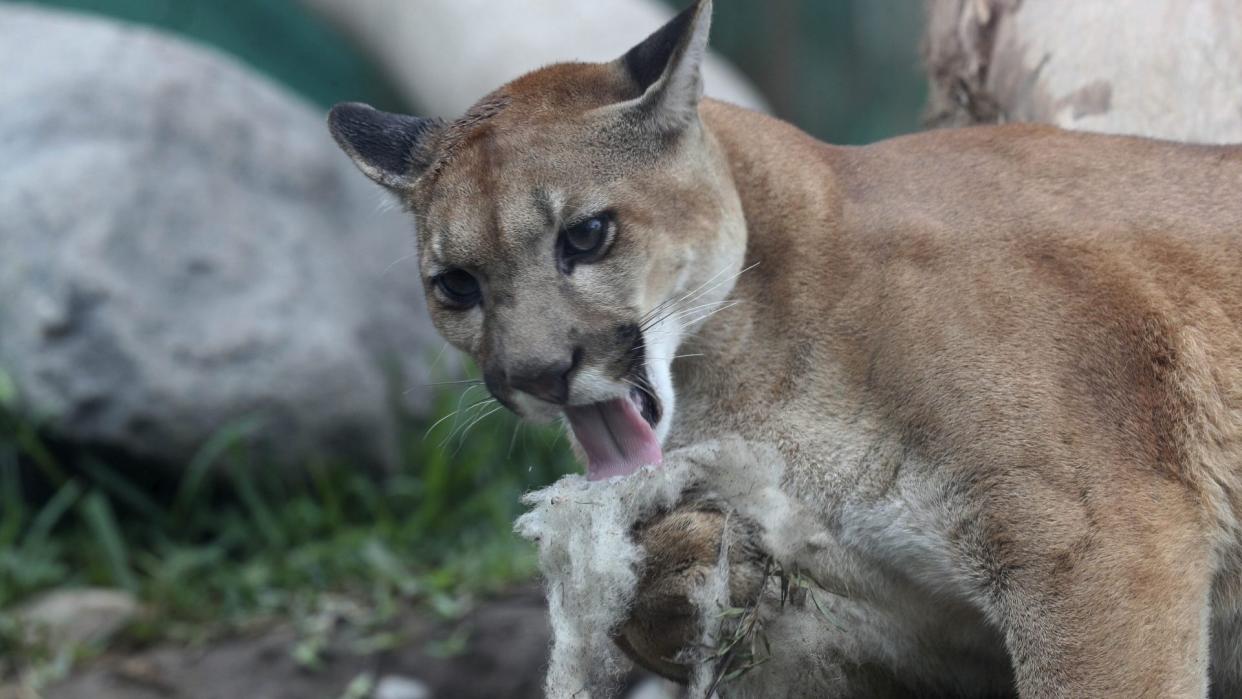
point(1004, 364)
point(1052, 324)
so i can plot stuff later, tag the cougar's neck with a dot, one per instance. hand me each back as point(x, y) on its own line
point(773, 344)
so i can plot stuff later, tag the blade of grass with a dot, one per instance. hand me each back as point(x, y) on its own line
point(210, 453)
point(101, 521)
point(122, 489)
point(328, 492)
point(13, 510)
point(8, 391)
point(436, 477)
point(259, 511)
point(25, 437)
point(52, 512)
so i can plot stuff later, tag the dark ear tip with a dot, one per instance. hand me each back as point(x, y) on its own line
point(648, 61)
point(343, 113)
point(383, 145)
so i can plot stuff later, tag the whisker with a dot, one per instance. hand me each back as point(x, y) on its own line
point(685, 297)
point(659, 307)
point(439, 355)
point(641, 384)
point(476, 408)
point(456, 412)
point(673, 313)
point(517, 425)
point(707, 315)
point(476, 382)
point(437, 424)
point(691, 294)
point(396, 262)
point(704, 289)
point(461, 439)
point(726, 280)
point(667, 312)
point(686, 311)
point(627, 381)
point(681, 323)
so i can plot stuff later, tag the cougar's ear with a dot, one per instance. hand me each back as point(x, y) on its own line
point(667, 67)
point(389, 148)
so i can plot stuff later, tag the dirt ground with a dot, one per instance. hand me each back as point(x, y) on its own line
point(505, 655)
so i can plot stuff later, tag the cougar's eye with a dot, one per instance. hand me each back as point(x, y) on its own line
point(458, 287)
point(585, 241)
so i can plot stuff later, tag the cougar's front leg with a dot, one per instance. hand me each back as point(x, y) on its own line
point(1105, 594)
point(682, 549)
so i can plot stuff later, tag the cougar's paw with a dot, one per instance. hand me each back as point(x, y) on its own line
point(682, 549)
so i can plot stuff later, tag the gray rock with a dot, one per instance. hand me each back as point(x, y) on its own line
point(398, 687)
point(182, 246)
point(74, 617)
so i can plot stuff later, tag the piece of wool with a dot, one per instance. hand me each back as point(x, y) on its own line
point(711, 600)
point(591, 564)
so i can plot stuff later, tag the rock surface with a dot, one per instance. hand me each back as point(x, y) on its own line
point(1161, 68)
point(183, 246)
point(75, 617)
point(398, 687)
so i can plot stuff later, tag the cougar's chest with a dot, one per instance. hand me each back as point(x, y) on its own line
point(906, 571)
point(883, 527)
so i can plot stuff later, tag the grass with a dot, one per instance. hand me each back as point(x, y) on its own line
point(228, 540)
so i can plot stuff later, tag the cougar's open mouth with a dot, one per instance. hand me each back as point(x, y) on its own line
point(618, 435)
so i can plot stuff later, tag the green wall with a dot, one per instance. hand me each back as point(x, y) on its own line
point(847, 71)
point(277, 37)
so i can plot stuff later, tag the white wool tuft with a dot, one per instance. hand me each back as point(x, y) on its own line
point(591, 565)
point(711, 600)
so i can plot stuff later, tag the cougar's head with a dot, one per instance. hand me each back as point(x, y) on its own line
point(573, 226)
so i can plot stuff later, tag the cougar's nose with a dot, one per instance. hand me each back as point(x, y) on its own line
point(549, 382)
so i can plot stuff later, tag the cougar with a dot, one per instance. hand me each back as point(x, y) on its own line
point(1003, 364)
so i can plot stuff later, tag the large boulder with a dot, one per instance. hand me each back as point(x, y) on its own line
point(182, 246)
point(1161, 68)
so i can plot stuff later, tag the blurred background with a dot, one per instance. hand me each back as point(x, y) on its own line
point(235, 460)
point(847, 71)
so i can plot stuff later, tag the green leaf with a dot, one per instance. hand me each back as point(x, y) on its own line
point(451, 646)
point(8, 391)
point(361, 687)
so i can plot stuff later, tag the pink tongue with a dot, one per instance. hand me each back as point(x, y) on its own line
point(615, 437)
